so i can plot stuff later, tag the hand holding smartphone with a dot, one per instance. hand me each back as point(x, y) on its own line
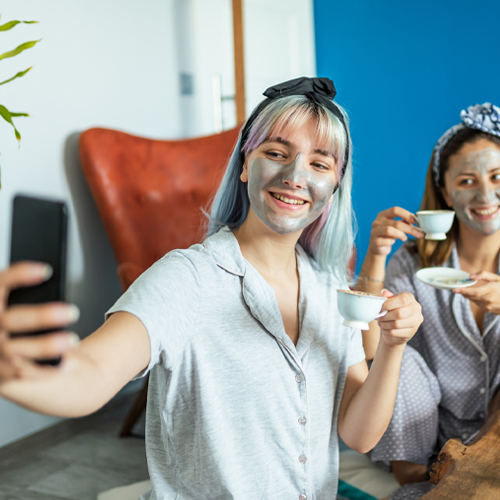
point(39, 234)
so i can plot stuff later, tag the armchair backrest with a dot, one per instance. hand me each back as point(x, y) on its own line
point(150, 193)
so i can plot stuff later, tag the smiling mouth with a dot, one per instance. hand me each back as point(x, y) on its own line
point(483, 212)
point(289, 201)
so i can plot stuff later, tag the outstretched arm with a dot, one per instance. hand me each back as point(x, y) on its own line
point(90, 374)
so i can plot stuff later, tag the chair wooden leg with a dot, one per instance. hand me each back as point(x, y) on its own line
point(136, 411)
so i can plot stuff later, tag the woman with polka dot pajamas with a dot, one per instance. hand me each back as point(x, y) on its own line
point(451, 368)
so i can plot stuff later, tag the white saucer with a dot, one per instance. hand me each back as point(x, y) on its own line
point(446, 278)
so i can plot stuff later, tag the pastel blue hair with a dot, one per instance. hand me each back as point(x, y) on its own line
point(329, 240)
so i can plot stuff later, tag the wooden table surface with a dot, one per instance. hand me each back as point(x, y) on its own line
point(470, 472)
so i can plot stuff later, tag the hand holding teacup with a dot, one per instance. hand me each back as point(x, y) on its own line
point(404, 316)
point(390, 225)
point(399, 316)
point(435, 223)
point(359, 308)
point(396, 223)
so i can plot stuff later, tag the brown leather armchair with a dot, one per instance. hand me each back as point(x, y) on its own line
point(150, 195)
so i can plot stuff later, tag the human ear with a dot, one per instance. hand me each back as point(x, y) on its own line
point(446, 196)
point(334, 191)
point(244, 173)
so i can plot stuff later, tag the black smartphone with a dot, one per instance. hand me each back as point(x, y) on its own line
point(40, 233)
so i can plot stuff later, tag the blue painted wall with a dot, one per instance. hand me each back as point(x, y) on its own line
point(404, 71)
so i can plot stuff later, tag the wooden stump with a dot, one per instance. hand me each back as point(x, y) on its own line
point(468, 472)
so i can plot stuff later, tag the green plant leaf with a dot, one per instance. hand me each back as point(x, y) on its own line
point(18, 50)
point(8, 26)
point(7, 116)
point(18, 75)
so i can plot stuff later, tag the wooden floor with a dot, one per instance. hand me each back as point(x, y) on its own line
point(75, 459)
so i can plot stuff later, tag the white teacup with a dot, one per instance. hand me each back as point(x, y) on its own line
point(435, 223)
point(359, 308)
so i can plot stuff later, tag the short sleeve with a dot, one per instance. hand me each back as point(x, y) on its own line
point(356, 352)
point(165, 298)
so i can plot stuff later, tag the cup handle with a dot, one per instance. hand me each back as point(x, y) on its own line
point(417, 224)
point(383, 313)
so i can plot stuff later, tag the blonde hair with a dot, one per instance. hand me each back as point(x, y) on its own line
point(329, 240)
point(292, 113)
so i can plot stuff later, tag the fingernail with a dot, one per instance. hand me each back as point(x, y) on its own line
point(383, 290)
point(43, 271)
point(48, 271)
point(74, 339)
point(74, 312)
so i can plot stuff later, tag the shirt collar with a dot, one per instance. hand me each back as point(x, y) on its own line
point(258, 294)
point(225, 250)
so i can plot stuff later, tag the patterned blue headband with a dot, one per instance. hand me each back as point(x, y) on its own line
point(484, 117)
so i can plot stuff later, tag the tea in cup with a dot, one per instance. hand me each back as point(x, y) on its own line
point(435, 223)
point(359, 308)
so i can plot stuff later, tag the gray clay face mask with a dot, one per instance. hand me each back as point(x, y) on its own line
point(287, 216)
point(475, 206)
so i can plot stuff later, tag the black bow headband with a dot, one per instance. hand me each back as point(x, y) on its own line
point(318, 90)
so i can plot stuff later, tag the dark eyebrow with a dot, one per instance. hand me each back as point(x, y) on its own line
point(324, 153)
point(288, 144)
point(280, 140)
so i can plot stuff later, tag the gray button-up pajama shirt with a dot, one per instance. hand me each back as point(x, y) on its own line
point(235, 409)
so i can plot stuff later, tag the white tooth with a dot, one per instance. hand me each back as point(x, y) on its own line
point(488, 211)
point(288, 200)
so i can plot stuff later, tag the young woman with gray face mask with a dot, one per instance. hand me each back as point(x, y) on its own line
point(252, 372)
point(451, 368)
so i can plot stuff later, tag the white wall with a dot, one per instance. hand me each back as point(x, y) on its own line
point(279, 44)
point(109, 63)
point(116, 63)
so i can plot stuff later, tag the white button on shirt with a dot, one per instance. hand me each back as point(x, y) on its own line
point(482, 390)
point(219, 355)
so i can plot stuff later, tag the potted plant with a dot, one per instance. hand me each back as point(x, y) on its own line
point(4, 112)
